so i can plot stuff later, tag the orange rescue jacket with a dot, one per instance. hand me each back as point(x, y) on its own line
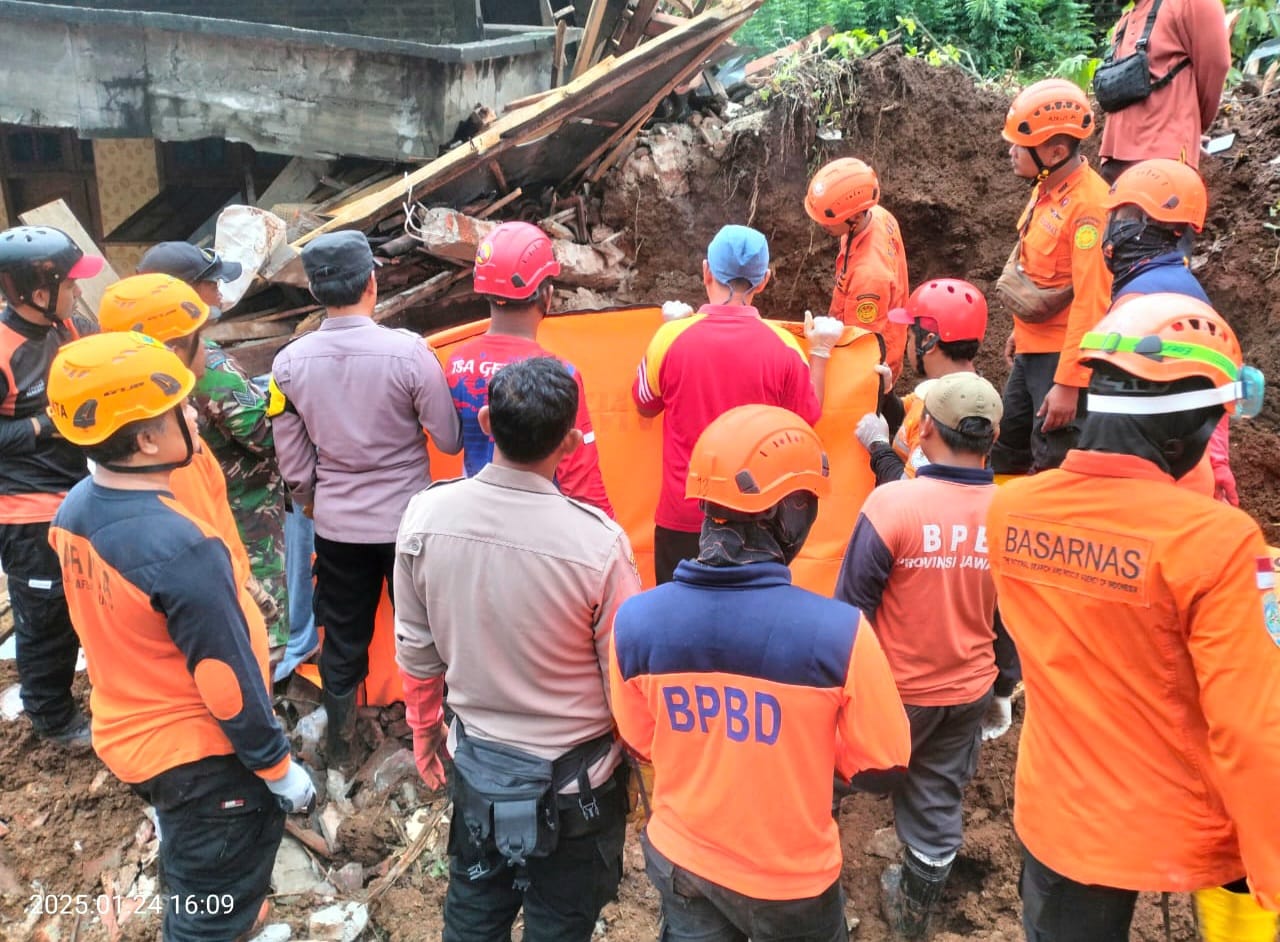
point(1148, 627)
point(1060, 243)
point(871, 280)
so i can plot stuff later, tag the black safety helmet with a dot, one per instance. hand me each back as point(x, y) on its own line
point(36, 257)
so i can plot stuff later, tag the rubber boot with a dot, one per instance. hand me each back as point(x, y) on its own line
point(75, 737)
point(908, 893)
point(1224, 916)
point(341, 729)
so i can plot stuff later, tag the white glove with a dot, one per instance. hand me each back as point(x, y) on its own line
point(675, 310)
point(294, 791)
point(998, 719)
point(872, 428)
point(822, 334)
point(886, 376)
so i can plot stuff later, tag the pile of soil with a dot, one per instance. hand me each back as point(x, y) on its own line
point(935, 140)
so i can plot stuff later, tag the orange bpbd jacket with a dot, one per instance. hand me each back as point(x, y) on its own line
point(871, 280)
point(1061, 243)
point(178, 670)
point(1148, 627)
point(747, 694)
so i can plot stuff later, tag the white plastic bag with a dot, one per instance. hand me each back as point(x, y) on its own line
point(248, 235)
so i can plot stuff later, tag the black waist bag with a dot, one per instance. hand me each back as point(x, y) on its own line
point(506, 795)
point(1119, 83)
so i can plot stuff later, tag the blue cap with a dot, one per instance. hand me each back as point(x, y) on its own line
point(336, 256)
point(738, 252)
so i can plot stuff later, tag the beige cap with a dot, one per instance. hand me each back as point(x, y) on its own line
point(958, 396)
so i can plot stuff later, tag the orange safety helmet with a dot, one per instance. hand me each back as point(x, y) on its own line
point(157, 305)
point(513, 260)
point(101, 383)
point(1166, 337)
point(1166, 190)
point(753, 456)
point(841, 190)
point(949, 307)
point(1047, 109)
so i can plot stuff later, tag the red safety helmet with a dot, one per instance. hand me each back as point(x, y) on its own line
point(949, 307)
point(513, 260)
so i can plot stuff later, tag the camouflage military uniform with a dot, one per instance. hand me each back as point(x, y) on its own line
point(234, 423)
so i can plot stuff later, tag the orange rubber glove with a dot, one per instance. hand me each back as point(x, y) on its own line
point(424, 712)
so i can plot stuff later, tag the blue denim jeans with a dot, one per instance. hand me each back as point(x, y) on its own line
point(299, 545)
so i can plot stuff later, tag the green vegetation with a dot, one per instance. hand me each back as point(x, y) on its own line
point(1027, 39)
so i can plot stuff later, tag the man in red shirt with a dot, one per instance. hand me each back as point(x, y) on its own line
point(871, 269)
point(514, 268)
point(700, 366)
point(1189, 54)
point(917, 570)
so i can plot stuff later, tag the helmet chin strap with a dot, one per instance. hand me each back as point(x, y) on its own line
point(1046, 170)
point(50, 310)
point(167, 466)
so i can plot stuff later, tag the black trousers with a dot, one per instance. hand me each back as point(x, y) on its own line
point(1024, 446)
point(669, 547)
point(1058, 909)
point(566, 891)
point(928, 805)
point(46, 643)
point(695, 909)
point(349, 580)
point(1008, 662)
point(220, 828)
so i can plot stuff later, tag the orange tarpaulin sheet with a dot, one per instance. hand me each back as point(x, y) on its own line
point(606, 346)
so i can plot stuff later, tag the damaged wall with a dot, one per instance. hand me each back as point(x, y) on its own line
point(277, 89)
point(128, 178)
point(4, 211)
point(429, 21)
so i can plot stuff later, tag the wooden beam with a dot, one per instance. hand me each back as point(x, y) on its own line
point(499, 203)
point(58, 215)
point(431, 288)
point(248, 329)
point(764, 63)
point(557, 62)
point(634, 32)
point(590, 38)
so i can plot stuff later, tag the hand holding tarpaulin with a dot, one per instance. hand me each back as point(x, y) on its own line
point(675, 310)
point(822, 333)
point(872, 428)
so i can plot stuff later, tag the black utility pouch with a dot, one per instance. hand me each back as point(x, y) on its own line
point(1119, 83)
point(505, 794)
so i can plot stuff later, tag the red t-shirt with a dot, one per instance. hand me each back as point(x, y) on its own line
point(469, 370)
point(700, 367)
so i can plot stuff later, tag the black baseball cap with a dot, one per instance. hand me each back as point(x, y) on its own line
point(188, 263)
point(337, 256)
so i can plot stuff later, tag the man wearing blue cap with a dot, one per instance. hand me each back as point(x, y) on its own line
point(349, 405)
point(701, 365)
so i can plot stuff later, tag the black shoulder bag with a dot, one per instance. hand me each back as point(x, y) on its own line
point(1119, 83)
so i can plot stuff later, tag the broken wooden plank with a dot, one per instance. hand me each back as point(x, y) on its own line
point(634, 32)
point(460, 174)
point(449, 234)
point(294, 183)
point(237, 331)
point(499, 203)
point(558, 63)
point(590, 38)
point(431, 288)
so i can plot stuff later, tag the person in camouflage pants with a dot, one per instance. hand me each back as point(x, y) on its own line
point(234, 423)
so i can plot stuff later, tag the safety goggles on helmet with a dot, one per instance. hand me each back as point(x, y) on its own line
point(1242, 395)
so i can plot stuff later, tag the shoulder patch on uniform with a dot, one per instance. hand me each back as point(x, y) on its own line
point(1086, 236)
point(277, 402)
point(246, 399)
point(866, 311)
